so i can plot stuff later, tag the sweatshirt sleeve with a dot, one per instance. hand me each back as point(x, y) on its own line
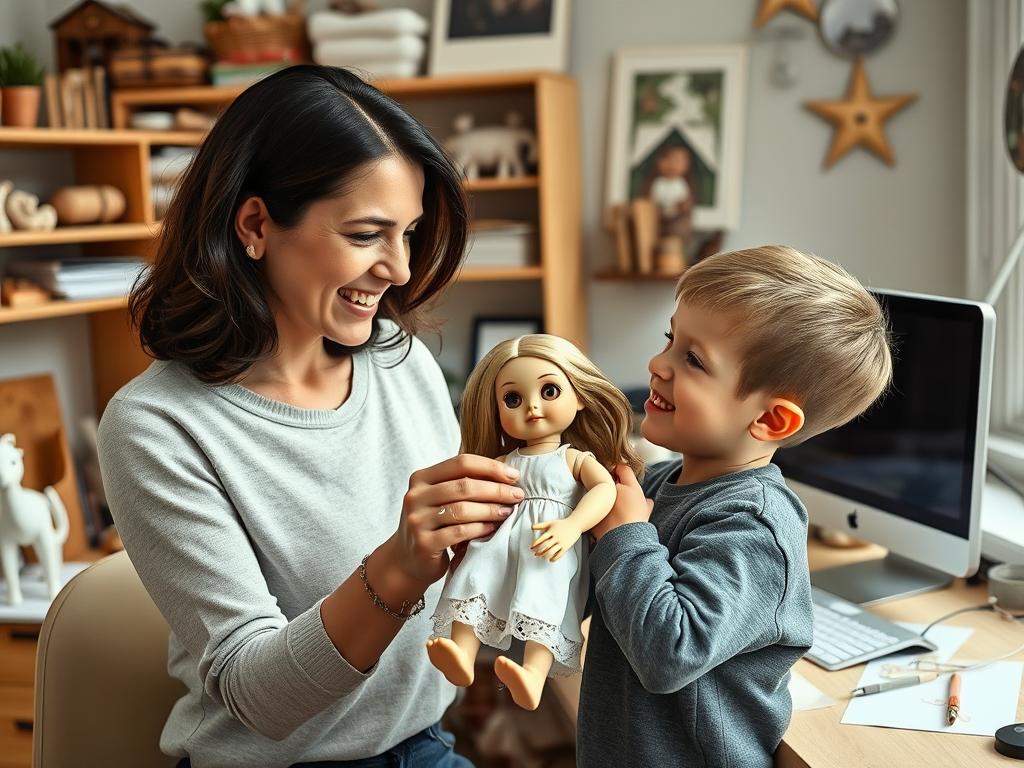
point(190, 548)
point(676, 617)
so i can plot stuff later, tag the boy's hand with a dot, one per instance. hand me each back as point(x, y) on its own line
point(630, 504)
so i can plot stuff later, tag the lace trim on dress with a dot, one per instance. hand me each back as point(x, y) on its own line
point(498, 633)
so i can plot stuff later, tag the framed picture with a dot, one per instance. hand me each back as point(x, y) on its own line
point(499, 36)
point(489, 331)
point(676, 128)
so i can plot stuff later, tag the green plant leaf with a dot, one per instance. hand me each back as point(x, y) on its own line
point(19, 67)
point(212, 10)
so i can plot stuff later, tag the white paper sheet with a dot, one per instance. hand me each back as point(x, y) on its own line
point(806, 695)
point(988, 696)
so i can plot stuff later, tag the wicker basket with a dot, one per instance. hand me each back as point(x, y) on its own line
point(242, 40)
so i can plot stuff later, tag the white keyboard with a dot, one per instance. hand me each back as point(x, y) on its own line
point(845, 634)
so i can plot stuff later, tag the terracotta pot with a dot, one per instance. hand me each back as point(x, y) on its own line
point(21, 106)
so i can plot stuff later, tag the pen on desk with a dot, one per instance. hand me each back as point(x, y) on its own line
point(889, 685)
point(953, 705)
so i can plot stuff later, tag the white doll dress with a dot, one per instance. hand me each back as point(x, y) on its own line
point(503, 590)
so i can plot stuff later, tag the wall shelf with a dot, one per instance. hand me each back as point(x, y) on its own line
point(60, 308)
point(96, 233)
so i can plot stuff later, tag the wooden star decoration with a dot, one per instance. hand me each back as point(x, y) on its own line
point(771, 8)
point(859, 119)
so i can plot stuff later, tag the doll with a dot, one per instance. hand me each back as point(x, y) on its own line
point(538, 404)
point(672, 192)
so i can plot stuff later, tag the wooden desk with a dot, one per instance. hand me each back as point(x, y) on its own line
point(816, 738)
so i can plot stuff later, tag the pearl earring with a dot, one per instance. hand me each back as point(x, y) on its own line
point(250, 251)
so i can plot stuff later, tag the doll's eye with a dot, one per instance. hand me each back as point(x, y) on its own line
point(550, 391)
point(512, 400)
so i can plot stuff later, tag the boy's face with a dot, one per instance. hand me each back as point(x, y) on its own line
point(693, 408)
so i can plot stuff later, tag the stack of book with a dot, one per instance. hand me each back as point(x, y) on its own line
point(80, 278)
point(499, 243)
point(77, 98)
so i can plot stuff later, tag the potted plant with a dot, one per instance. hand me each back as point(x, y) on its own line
point(22, 77)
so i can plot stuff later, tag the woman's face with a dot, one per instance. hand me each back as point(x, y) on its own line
point(326, 275)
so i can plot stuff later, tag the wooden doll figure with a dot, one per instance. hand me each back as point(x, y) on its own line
point(541, 406)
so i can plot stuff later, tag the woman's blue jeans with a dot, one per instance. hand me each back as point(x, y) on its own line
point(430, 748)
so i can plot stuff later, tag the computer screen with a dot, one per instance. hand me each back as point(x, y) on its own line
point(913, 453)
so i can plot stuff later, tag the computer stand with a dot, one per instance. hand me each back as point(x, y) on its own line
point(885, 578)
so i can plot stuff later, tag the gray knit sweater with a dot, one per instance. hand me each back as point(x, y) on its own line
point(700, 615)
point(241, 514)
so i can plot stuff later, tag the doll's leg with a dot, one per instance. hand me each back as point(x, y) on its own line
point(455, 657)
point(526, 682)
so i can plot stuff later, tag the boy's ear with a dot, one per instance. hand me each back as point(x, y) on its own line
point(783, 418)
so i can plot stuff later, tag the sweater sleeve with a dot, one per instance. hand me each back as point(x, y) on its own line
point(194, 557)
point(676, 617)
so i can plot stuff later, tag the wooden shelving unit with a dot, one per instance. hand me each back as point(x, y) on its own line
point(60, 309)
point(121, 157)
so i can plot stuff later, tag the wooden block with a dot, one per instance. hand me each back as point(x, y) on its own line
point(22, 293)
point(644, 217)
point(54, 118)
point(618, 219)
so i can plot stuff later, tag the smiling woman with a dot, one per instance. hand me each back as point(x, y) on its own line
point(276, 474)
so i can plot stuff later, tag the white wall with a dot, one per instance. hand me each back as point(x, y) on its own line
point(899, 227)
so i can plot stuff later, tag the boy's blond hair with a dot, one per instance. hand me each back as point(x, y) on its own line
point(811, 332)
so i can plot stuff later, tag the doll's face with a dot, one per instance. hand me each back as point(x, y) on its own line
point(535, 399)
point(674, 162)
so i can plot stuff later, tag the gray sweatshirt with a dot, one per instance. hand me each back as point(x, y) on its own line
point(699, 616)
point(241, 514)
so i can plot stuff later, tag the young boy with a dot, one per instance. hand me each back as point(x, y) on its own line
point(701, 612)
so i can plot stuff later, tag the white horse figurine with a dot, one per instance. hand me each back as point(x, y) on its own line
point(28, 517)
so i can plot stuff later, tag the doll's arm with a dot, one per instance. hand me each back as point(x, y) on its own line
point(561, 535)
point(597, 502)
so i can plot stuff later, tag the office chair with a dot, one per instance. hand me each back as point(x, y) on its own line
point(102, 691)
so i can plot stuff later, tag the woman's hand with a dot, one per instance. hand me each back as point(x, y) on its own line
point(558, 538)
point(466, 497)
point(630, 504)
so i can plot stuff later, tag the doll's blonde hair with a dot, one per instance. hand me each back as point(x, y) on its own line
point(602, 427)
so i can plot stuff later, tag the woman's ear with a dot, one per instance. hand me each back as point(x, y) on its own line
point(781, 419)
point(251, 222)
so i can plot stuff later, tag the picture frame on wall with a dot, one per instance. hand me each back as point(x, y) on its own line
point(688, 101)
point(489, 331)
point(477, 36)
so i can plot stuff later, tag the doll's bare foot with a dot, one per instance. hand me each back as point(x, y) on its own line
point(451, 660)
point(525, 686)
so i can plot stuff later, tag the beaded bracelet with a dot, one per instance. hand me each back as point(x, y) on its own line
point(400, 614)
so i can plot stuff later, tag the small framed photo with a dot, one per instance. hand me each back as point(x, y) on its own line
point(489, 331)
point(492, 36)
point(676, 128)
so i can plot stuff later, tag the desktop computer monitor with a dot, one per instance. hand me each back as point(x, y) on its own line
point(909, 473)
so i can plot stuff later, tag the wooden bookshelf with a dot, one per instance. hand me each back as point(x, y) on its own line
point(99, 233)
point(120, 157)
point(481, 274)
point(60, 308)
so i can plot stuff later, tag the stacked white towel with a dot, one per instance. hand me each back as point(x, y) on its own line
point(387, 43)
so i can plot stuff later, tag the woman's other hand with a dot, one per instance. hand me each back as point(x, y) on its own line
point(463, 498)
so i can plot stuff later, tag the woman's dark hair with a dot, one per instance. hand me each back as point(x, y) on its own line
point(291, 139)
